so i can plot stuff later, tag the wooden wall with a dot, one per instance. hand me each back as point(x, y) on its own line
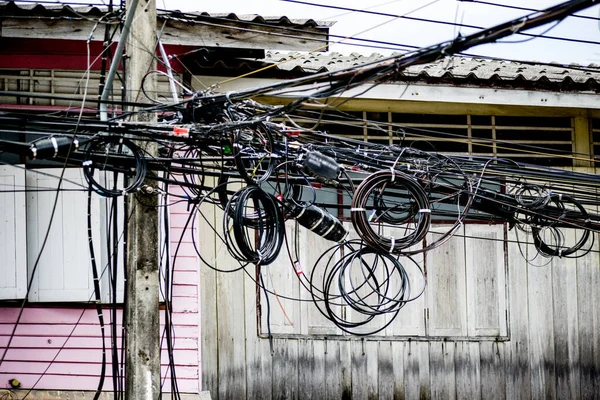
point(551, 347)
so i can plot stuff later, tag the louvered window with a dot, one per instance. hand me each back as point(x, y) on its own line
point(540, 140)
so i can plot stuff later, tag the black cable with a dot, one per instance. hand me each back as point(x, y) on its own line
point(96, 294)
point(433, 21)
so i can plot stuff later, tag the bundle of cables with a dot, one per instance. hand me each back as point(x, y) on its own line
point(360, 285)
point(410, 208)
point(549, 225)
point(113, 153)
point(253, 226)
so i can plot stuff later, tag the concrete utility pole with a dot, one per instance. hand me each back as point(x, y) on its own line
point(142, 307)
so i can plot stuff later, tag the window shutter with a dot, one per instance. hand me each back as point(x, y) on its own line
point(64, 270)
point(446, 292)
point(486, 280)
point(13, 244)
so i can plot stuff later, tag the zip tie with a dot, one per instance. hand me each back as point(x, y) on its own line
point(357, 209)
point(560, 197)
point(55, 145)
point(560, 251)
point(372, 215)
point(86, 163)
point(228, 97)
point(393, 171)
point(393, 244)
point(425, 210)
point(301, 212)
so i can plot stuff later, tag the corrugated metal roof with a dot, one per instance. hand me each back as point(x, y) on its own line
point(11, 9)
point(452, 70)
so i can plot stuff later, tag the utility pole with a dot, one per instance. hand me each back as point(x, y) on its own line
point(142, 305)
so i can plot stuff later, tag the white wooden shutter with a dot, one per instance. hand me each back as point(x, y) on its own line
point(279, 277)
point(13, 245)
point(486, 280)
point(446, 291)
point(64, 269)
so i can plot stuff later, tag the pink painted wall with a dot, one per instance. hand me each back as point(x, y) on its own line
point(36, 351)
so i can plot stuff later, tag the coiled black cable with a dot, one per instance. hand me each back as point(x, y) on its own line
point(104, 153)
point(414, 199)
point(381, 286)
point(539, 228)
point(261, 242)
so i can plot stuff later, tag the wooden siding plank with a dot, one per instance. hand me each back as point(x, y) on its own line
point(588, 299)
point(231, 346)
point(588, 311)
point(541, 332)
point(493, 381)
point(333, 370)
point(208, 300)
point(385, 369)
point(319, 390)
point(258, 353)
point(467, 369)
point(282, 388)
point(412, 370)
point(346, 370)
point(518, 377)
point(398, 365)
point(292, 368)
point(305, 369)
point(441, 370)
point(360, 388)
point(566, 345)
point(372, 380)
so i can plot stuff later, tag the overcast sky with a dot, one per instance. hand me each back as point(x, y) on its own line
point(404, 32)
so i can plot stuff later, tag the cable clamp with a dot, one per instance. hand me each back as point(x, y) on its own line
point(425, 210)
point(357, 209)
point(393, 244)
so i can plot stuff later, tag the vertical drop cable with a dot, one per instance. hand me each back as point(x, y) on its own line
point(123, 314)
point(113, 258)
point(96, 293)
point(262, 283)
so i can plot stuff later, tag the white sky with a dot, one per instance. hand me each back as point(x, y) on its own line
point(413, 33)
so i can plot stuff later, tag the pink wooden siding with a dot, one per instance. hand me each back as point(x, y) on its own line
point(43, 331)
